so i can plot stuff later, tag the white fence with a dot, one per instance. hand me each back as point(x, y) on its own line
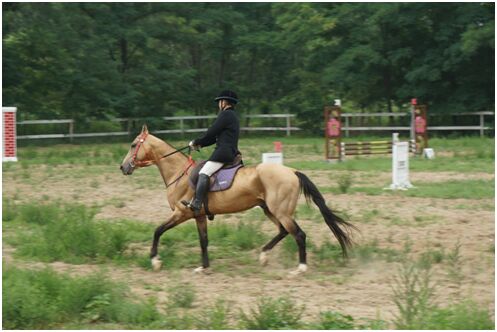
point(347, 128)
point(287, 128)
point(181, 119)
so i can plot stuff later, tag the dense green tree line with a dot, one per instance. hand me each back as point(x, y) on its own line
point(103, 60)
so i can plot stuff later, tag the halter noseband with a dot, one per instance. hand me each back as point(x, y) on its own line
point(142, 139)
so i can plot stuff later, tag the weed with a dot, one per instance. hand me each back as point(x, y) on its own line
point(328, 251)
point(330, 320)
point(465, 315)
point(413, 296)
point(344, 182)
point(70, 234)
point(270, 314)
point(182, 295)
point(45, 299)
point(430, 257)
point(215, 318)
point(9, 211)
point(454, 264)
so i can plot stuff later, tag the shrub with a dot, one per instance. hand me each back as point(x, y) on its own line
point(270, 314)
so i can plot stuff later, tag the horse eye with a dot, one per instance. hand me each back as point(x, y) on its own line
point(133, 145)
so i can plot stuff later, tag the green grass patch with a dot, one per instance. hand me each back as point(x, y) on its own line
point(272, 314)
point(70, 233)
point(467, 189)
point(46, 300)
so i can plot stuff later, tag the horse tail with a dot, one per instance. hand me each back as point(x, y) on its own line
point(310, 191)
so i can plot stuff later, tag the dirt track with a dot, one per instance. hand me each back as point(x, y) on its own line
point(362, 289)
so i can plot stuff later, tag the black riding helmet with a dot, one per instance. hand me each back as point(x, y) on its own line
point(228, 95)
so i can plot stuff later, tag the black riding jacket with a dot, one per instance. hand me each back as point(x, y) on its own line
point(224, 132)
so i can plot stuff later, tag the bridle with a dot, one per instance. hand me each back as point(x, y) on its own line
point(141, 163)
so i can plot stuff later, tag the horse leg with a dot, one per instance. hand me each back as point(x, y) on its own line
point(204, 242)
point(293, 228)
point(280, 236)
point(173, 221)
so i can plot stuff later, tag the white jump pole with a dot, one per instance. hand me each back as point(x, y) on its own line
point(9, 138)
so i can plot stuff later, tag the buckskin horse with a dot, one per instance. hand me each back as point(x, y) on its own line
point(275, 188)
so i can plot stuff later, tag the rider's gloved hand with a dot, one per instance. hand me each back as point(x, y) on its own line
point(193, 146)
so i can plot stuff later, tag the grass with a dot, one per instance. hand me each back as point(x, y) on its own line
point(414, 296)
point(270, 314)
point(71, 234)
point(466, 189)
point(182, 295)
point(46, 300)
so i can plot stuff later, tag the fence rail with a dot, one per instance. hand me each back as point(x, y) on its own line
point(347, 128)
point(71, 134)
point(288, 128)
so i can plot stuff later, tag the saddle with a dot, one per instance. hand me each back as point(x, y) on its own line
point(219, 181)
point(222, 179)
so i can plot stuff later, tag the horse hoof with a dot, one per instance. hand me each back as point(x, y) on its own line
point(263, 259)
point(300, 270)
point(156, 264)
point(201, 270)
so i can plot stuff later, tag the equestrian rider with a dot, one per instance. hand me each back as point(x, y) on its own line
point(224, 132)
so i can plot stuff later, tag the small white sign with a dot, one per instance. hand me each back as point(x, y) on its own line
point(400, 166)
point(272, 158)
point(429, 153)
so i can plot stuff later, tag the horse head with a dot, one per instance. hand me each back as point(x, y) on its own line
point(139, 154)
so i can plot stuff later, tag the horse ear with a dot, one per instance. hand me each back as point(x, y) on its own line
point(144, 129)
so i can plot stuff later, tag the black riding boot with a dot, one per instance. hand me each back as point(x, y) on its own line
point(200, 193)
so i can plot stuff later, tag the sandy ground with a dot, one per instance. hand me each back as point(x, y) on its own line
point(360, 289)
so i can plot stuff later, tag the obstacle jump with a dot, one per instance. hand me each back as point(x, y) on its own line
point(338, 150)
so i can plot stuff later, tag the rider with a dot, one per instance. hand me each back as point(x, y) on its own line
point(224, 132)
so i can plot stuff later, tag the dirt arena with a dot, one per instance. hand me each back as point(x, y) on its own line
point(362, 289)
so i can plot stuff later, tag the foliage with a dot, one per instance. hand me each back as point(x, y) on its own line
point(43, 299)
point(413, 295)
point(70, 233)
point(103, 60)
point(465, 315)
point(215, 318)
point(272, 314)
point(344, 182)
point(182, 295)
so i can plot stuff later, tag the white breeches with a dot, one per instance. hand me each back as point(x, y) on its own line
point(211, 167)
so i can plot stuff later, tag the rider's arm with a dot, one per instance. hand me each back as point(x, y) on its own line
point(210, 136)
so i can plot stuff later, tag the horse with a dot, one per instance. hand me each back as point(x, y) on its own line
point(273, 187)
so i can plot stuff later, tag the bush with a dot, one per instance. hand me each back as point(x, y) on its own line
point(44, 299)
point(272, 314)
